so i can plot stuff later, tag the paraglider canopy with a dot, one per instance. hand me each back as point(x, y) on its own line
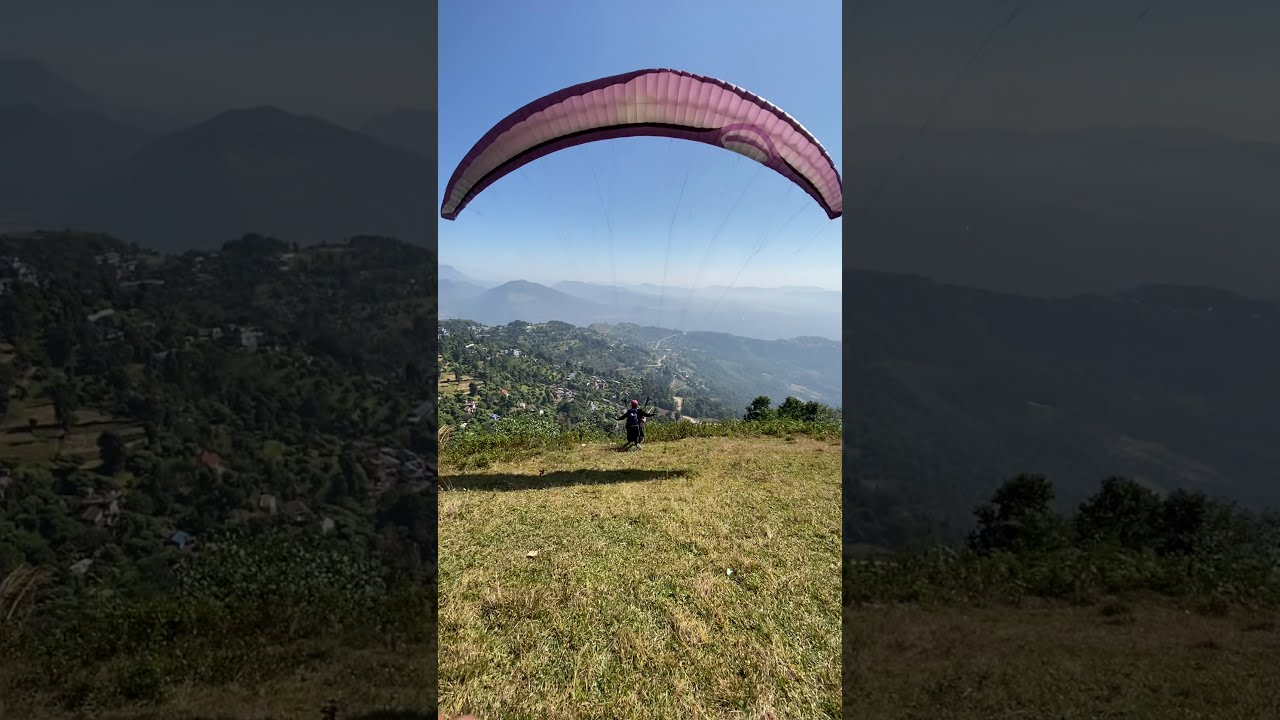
point(655, 102)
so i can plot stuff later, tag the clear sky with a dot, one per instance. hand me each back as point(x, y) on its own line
point(552, 220)
point(1066, 64)
point(312, 57)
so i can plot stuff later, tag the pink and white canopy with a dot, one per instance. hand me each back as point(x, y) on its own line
point(661, 103)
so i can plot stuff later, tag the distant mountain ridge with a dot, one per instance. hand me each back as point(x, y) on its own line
point(411, 129)
point(85, 164)
point(763, 313)
point(27, 82)
point(301, 179)
point(1094, 210)
point(449, 272)
point(1173, 386)
point(51, 154)
point(529, 302)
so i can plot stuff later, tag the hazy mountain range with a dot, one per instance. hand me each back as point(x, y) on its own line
point(958, 388)
point(27, 82)
point(1035, 213)
point(762, 313)
point(407, 128)
point(84, 163)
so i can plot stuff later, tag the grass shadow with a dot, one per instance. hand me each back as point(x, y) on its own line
point(563, 478)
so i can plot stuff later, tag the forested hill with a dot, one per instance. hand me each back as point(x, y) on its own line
point(276, 358)
point(957, 389)
point(585, 375)
point(807, 368)
point(148, 395)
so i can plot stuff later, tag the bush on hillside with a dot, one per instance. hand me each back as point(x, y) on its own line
point(1019, 518)
point(481, 444)
point(761, 410)
point(1125, 540)
point(236, 604)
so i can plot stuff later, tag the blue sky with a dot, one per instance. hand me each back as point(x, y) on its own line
point(553, 219)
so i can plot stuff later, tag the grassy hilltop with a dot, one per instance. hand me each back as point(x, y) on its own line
point(695, 578)
point(1136, 605)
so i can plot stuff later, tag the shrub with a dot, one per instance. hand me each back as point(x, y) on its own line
point(236, 602)
point(518, 436)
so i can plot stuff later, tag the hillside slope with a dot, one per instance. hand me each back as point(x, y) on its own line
point(696, 578)
point(1172, 386)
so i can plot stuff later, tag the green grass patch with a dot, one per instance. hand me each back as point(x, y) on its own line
point(523, 436)
point(244, 612)
point(1080, 575)
point(692, 579)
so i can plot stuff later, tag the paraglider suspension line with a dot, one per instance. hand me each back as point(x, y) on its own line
point(666, 260)
point(767, 238)
point(707, 253)
point(936, 111)
point(613, 269)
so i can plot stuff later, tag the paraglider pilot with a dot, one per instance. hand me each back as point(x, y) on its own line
point(635, 417)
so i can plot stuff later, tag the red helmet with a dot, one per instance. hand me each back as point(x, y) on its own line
point(635, 403)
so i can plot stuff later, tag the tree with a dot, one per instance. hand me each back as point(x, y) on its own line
point(58, 345)
point(10, 559)
point(353, 481)
point(1122, 512)
point(792, 409)
point(1018, 517)
point(1181, 520)
point(253, 246)
point(814, 411)
point(8, 379)
point(64, 406)
point(112, 452)
point(760, 409)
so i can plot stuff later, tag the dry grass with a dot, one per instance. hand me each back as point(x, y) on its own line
point(627, 610)
point(18, 591)
point(341, 684)
point(314, 679)
point(1118, 660)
